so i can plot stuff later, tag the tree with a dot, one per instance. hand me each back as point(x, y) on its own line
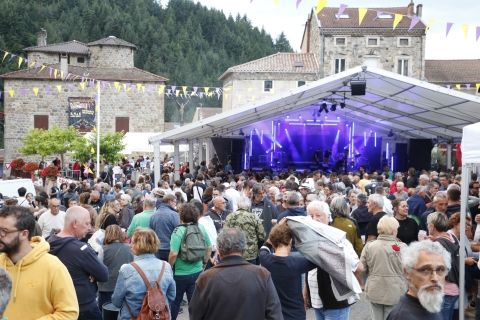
point(111, 147)
point(61, 140)
point(282, 44)
point(36, 143)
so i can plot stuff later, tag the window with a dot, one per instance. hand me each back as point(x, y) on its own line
point(403, 42)
point(40, 122)
point(340, 41)
point(402, 66)
point(80, 60)
point(340, 65)
point(373, 41)
point(384, 16)
point(342, 16)
point(267, 85)
point(122, 124)
point(300, 83)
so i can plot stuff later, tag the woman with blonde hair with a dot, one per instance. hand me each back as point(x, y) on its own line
point(130, 288)
point(115, 253)
point(383, 263)
point(108, 214)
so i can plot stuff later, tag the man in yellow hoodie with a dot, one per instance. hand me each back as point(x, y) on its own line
point(42, 286)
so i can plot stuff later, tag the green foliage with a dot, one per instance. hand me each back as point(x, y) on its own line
point(36, 143)
point(184, 41)
point(282, 44)
point(111, 147)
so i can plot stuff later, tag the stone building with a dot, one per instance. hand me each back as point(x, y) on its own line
point(341, 43)
point(261, 78)
point(61, 84)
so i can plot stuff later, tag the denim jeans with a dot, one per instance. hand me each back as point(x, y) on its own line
point(90, 312)
point(184, 284)
point(448, 307)
point(332, 314)
point(104, 297)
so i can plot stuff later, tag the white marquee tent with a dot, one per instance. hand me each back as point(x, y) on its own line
point(410, 108)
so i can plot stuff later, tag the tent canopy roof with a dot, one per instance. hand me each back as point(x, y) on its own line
point(408, 107)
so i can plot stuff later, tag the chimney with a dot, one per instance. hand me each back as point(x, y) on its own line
point(410, 9)
point(64, 64)
point(42, 37)
point(419, 10)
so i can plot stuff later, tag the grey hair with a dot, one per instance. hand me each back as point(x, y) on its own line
point(244, 203)
point(362, 198)
point(274, 189)
point(339, 207)
point(410, 254)
point(5, 289)
point(424, 177)
point(439, 220)
point(149, 202)
point(320, 206)
point(126, 197)
point(387, 225)
point(377, 199)
point(293, 198)
point(453, 186)
point(440, 195)
point(231, 240)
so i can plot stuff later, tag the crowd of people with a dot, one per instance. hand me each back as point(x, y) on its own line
point(95, 241)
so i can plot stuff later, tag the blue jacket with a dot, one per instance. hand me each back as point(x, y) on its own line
point(131, 289)
point(163, 222)
point(416, 206)
point(292, 212)
point(82, 264)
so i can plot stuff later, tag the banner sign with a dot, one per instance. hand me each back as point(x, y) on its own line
point(81, 113)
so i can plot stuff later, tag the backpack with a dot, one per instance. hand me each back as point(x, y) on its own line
point(154, 305)
point(454, 250)
point(193, 246)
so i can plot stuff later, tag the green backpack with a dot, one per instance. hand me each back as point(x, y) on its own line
point(193, 247)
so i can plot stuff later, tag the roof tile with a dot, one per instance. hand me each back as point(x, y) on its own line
point(73, 46)
point(112, 41)
point(453, 71)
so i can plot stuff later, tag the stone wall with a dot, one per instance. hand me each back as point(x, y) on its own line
point(106, 56)
point(355, 51)
point(241, 89)
point(42, 57)
point(145, 110)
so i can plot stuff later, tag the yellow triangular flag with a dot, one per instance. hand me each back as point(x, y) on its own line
point(125, 87)
point(61, 74)
point(139, 87)
point(458, 86)
point(33, 63)
point(361, 14)
point(206, 89)
point(477, 85)
point(161, 89)
point(20, 60)
point(82, 85)
point(94, 129)
point(430, 23)
point(184, 88)
point(320, 5)
point(117, 85)
point(41, 68)
point(35, 91)
point(177, 93)
point(253, 98)
point(59, 88)
point(55, 73)
point(91, 151)
point(5, 55)
point(396, 20)
point(465, 30)
point(11, 93)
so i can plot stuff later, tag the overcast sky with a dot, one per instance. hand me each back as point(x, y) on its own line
point(276, 16)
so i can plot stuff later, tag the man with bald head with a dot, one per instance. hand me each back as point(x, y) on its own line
point(80, 259)
point(218, 213)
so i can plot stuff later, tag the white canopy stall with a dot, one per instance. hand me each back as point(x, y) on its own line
point(470, 160)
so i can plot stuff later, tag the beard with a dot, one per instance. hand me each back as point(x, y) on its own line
point(10, 248)
point(431, 298)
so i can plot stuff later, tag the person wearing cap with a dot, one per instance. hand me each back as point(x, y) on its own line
point(158, 194)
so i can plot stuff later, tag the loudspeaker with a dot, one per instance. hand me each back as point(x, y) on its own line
point(358, 87)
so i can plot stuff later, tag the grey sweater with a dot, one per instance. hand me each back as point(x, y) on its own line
point(114, 256)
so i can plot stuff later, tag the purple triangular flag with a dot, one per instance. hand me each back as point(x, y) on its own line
point(71, 87)
point(341, 10)
point(449, 26)
point(1, 94)
point(478, 33)
point(23, 92)
point(51, 70)
point(468, 85)
point(150, 88)
point(48, 88)
point(413, 22)
point(298, 3)
point(173, 88)
point(449, 86)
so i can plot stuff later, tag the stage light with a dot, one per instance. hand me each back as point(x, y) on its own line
point(333, 107)
point(342, 105)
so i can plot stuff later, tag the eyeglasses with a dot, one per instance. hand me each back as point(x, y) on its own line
point(428, 272)
point(3, 232)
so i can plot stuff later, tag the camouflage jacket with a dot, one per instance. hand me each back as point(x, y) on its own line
point(253, 228)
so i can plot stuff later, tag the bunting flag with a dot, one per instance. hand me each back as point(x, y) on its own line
point(361, 14)
point(177, 93)
point(59, 88)
point(458, 87)
point(320, 5)
point(298, 3)
point(477, 85)
point(478, 33)
point(413, 22)
point(11, 93)
point(82, 86)
point(449, 26)
point(184, 88)
point(430, 24)
point(35, 91)
point(20, 60)
point(341, 10)
point(396, 20)
point(41, 68)
point(161, 89)
point(4, 56)
point(55, 73)
point(32, 64)
point(465, 27)
point(206, 89)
